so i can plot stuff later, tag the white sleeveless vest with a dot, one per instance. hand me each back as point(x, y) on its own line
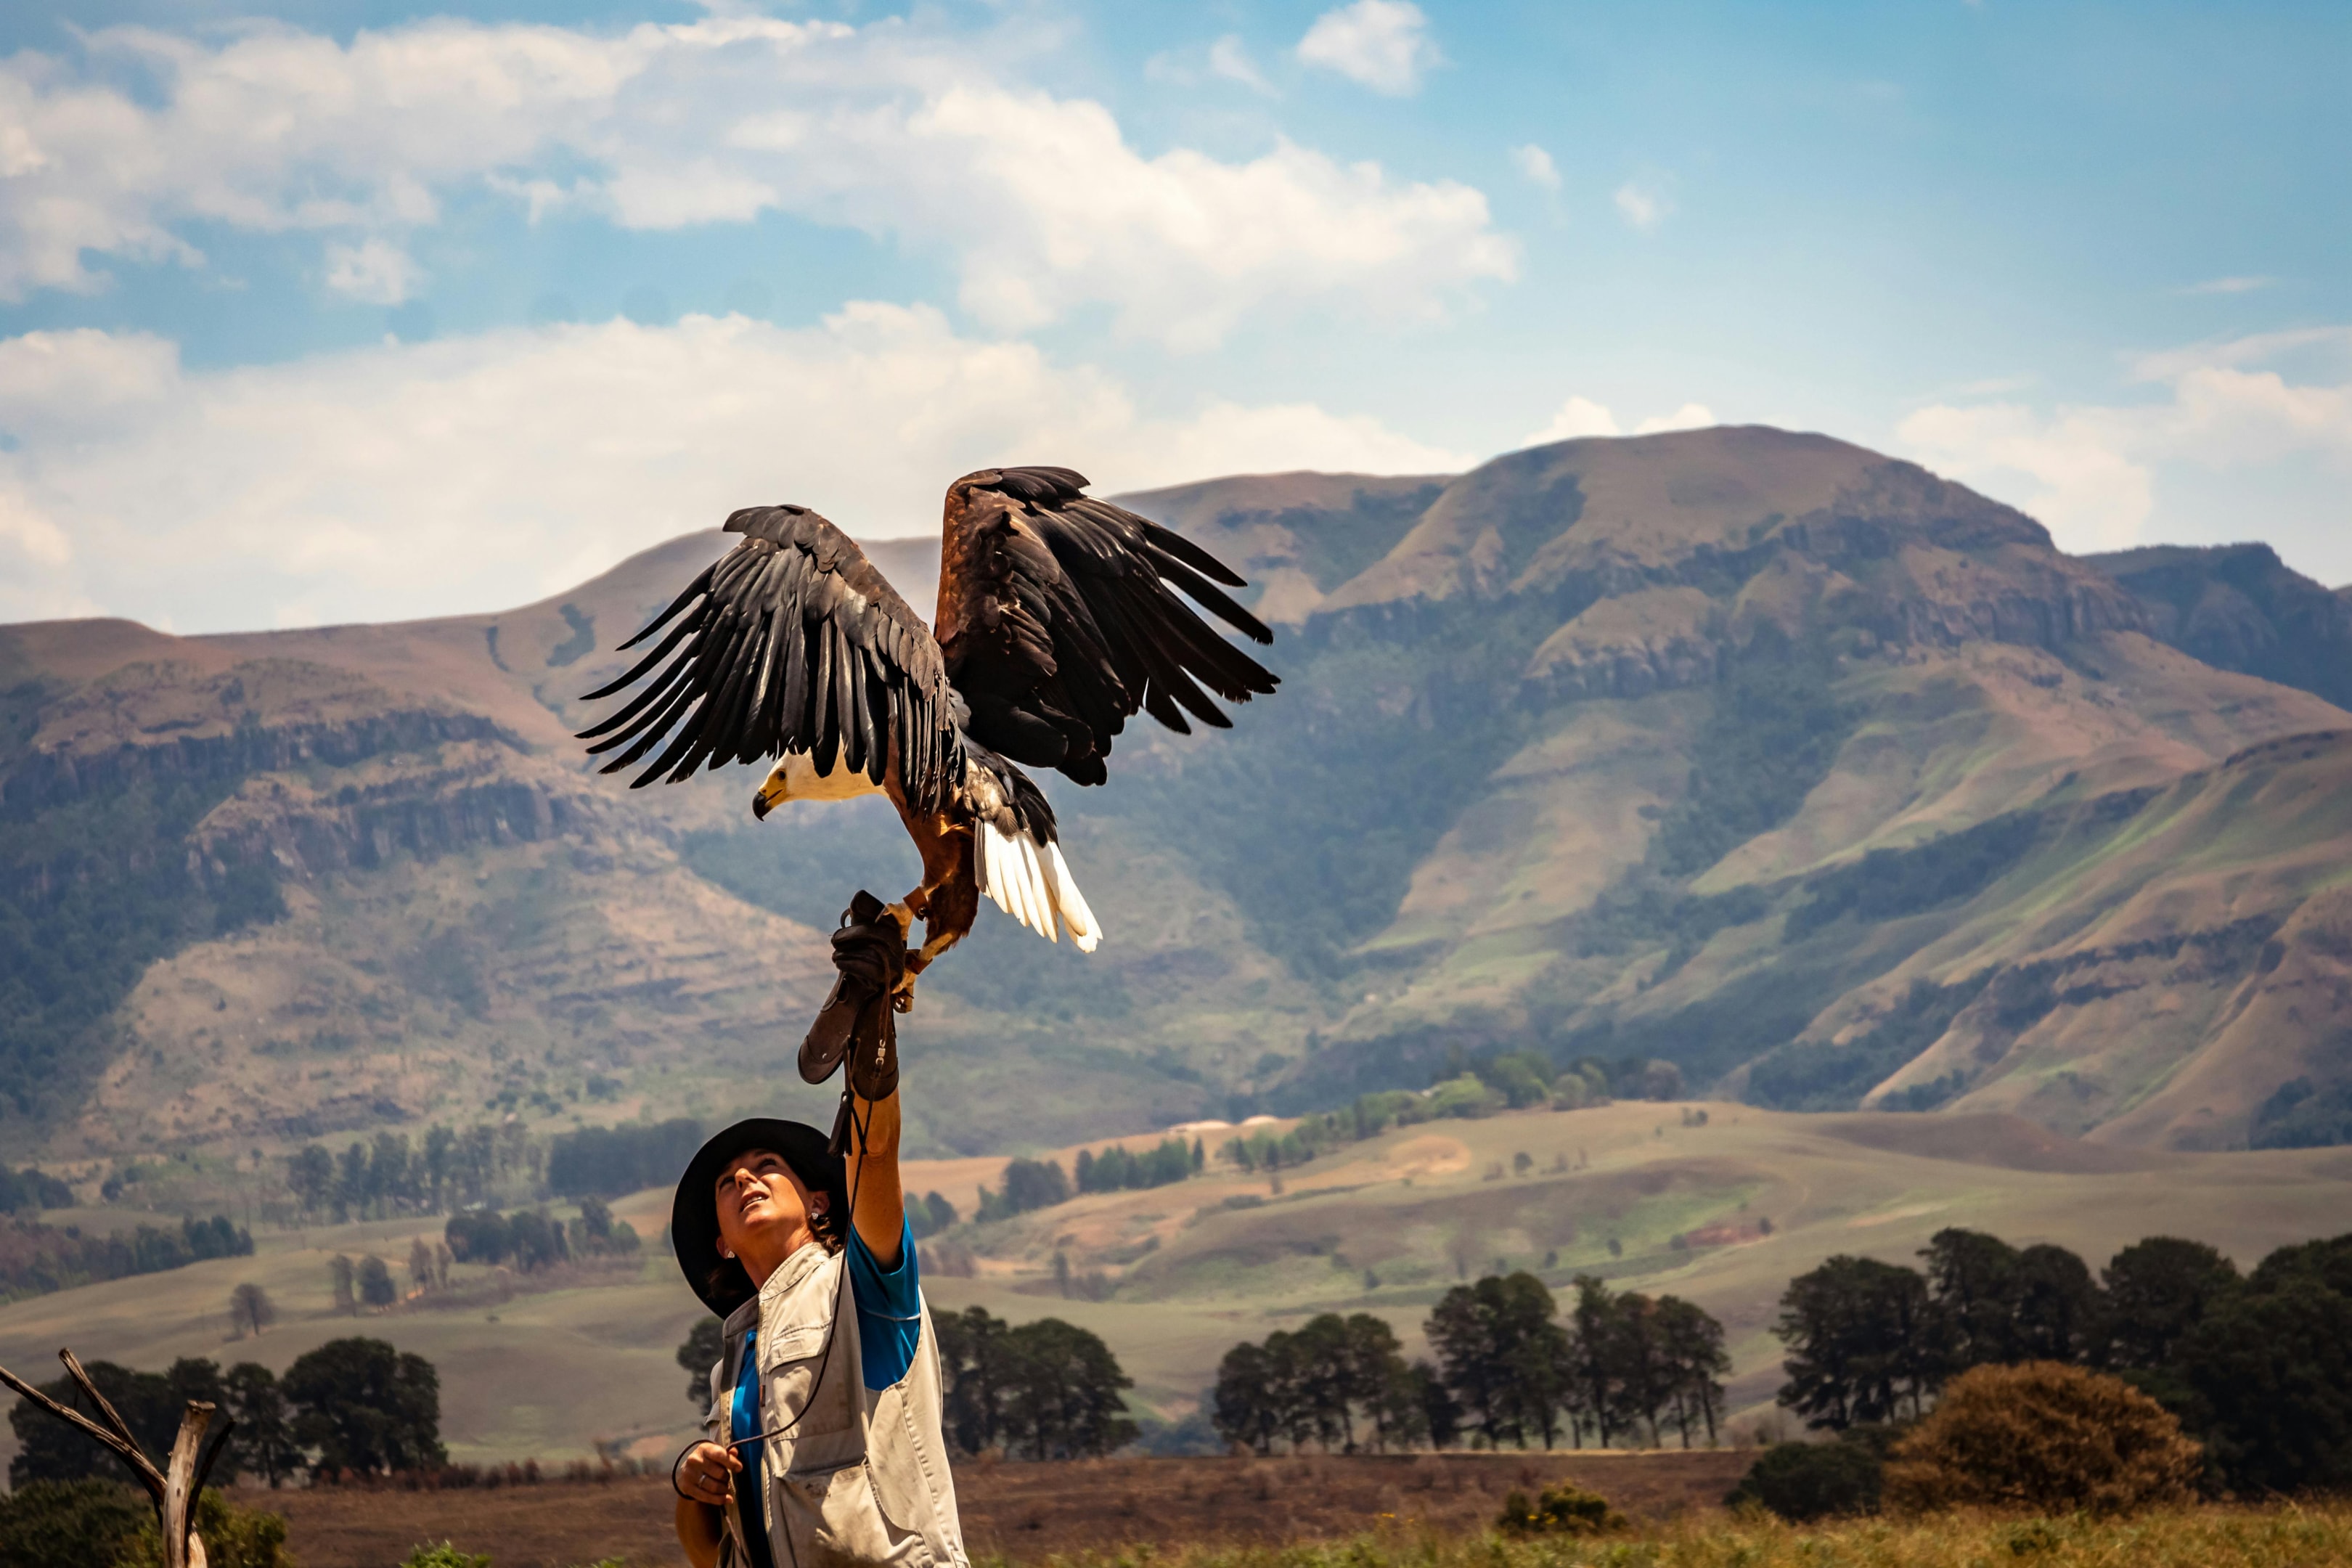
point(850, 1473)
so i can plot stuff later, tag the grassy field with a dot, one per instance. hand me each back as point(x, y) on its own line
point(2318, 1536)
point(1421, 1512)
point(1384, 1226)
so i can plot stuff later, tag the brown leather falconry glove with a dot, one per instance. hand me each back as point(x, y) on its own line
point(869, 950)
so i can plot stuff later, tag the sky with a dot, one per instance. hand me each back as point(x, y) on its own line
point(364, 310)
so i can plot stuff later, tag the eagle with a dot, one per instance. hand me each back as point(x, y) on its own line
point(1058, 619)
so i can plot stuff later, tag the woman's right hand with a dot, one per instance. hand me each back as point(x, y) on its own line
point(706, 1474)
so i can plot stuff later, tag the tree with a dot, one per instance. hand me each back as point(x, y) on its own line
point(538, 1241)
point(2058, 1313)
point(478, 1235)
point(1690, 1344)
point(2271, 1368)
point(352, 1190)
point(704, 1344)
point(1065, 1393)
point(975, 1366)
point(341, 1271)
point(1861, 1341)
point(1240, 1407)
point(262, 1442)
point(420, 1263)
point(1589, 1359)
point(2158, 1289)
point(363, 1405)
point(1028, 1184)
point(1504, 1355)
point(440, 1163)
point(2042, 1436)
point(81, 1523)
point(1972, 1279)
point(250, 1309)
point(376, 1288)
point(49, 1450)
point(310, 1174)
point(1805, 1481)
point(1441, 1417)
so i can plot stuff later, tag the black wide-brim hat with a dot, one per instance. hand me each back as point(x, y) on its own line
point(721, 1282)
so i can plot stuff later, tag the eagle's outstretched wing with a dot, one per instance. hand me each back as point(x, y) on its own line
point(791, 642)
point(1058, 620)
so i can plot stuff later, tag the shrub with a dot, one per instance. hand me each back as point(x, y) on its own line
point(1803, 1481)
point(428, 1555)
point(70, 1524)
point(2045, 1436)
point(234, 1538)
point(1564, 1509)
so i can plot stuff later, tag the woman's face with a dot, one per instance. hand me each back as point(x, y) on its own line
point(763, 1211)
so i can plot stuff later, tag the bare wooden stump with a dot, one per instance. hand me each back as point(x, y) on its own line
point(176, 1486)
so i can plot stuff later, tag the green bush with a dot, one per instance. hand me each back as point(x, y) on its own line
point(1804, 1481)
point(234, 1538)
point(1564, 1509)
point(428, 1555)
point(70, 1524)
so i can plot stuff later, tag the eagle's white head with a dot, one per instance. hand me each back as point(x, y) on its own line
point(795, 777)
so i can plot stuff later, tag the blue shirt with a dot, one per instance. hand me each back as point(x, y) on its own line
point(889, 1308)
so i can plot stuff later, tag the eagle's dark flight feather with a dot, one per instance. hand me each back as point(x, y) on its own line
point(1058, 621)
point(791, 642)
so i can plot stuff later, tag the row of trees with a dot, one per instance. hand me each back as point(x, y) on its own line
point(532, 1238)
point(1116, 1170)
point(388, 1177)
point(2255, 1366)
point(32, 1189)
point(1332, 1382)
point(1045, 1390)
point(37, 1259)
point(450, 1169)
point(350, 1404)
point(1622, 1366)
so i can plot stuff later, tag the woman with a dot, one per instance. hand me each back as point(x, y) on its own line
point(823, 1442)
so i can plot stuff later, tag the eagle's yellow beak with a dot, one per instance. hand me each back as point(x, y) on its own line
point(770, 795)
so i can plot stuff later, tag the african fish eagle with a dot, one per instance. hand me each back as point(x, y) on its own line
point(1055, 623)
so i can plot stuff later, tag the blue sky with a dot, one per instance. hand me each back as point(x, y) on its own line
point(358, 310)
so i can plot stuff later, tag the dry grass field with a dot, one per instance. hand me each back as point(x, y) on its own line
point(1383, 1227)
point(1022, 1511)
point(1426, 1512)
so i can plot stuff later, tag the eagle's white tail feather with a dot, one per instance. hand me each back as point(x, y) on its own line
point(1032, 882)
point(1070, 902)
point(1041, 896)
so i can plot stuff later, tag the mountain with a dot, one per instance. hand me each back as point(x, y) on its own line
point(1831, 781)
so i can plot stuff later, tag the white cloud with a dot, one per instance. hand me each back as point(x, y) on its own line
point(2097, 476)
point(1581, 417)
point(1642, 205)
point(375, 271)
point(2230, 285)
point(1039, 200)
point(1230, 59)
point(472, 473)
point(1577, 417)
point(1382, 44)
point(1537, 165)
point(1689, 416)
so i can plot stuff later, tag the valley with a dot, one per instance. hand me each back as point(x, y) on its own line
point(1723, 1214)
